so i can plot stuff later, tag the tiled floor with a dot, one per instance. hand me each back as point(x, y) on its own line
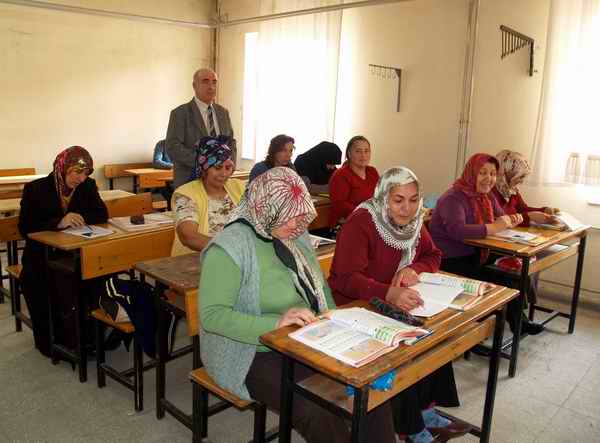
point(554, 398)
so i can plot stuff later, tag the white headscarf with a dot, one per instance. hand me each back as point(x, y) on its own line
point(403, 238)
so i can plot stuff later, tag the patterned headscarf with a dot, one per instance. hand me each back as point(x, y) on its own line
point(403, 238)
point(212, 151)
point(512, 165)
point(272, 199)
point(73, 157)
point(481, 203)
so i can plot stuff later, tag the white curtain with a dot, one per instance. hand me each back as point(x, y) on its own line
point(567, 140)
point(295, 76)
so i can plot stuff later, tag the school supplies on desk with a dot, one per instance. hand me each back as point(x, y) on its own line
point(439, 292)
point(89, 231)
point(514, 236)
point(149, 221)
point(317, 241)
point(568, 222)
point(357, 336)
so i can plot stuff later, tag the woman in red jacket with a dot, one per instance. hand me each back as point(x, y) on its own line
point(513, 170)
point(354, 182)
point(380, 251)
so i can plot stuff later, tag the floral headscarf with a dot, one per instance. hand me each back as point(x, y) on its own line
point(272, 199)
point(403, 238)
point(481, 203)
point(212, 151)
point(73, 157)
point(512, 165)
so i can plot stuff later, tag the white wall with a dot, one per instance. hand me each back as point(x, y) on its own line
point(105, 83)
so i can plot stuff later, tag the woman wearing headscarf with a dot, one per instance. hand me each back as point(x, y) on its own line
point(203, 205)
point(261, 273)
point(67, 197)
point(380, 251)
point(354, 182)
point(513, 170)
point(469, 210)
point(318, 164)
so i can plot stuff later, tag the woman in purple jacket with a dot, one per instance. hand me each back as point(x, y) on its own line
point(469, 210)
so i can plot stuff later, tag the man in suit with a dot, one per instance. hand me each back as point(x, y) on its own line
point(191, 121)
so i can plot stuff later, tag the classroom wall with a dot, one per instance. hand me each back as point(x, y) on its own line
point(105, 83)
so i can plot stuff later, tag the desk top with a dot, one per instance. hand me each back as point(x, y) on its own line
point(521, 250)
point(67, 242)
point(20, 179)
point(320, 200)
point(150, 171)
point(182, 273)
point(14, 204)
point(444, 325)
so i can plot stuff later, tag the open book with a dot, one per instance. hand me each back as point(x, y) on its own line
point(357, 336)
point(567, 222)
point(440, 292)
point(89, 231)
point(317, 241)
point(150, 221)
point(525, 238)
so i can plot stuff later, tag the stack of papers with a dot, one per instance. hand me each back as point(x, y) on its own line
point(436, 298)
point(89, 231)
point(525, 238)
point(317, 241)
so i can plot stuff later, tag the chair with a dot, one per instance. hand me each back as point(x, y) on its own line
point(202, 385)
point(137, 204)
point(132, 379)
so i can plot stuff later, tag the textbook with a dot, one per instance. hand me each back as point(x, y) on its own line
point(150, 221)
point(440, 292)
point(89, 231)
point(357, 336)
point(568, 223)
point(514, 236)
point(317, 241)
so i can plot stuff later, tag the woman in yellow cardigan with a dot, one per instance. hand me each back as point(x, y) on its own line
point(202, 206)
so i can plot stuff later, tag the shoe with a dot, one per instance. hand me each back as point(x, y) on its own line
point(436, 439)
point(454, 430)
point(531, 328)
point(481, 351)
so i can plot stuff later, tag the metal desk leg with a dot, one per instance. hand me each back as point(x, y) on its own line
point(359, 417)
point(523, 287)
point(136, 184)
point(492, 381)
point(577, 285)
point(46, 277)
point(161, 348)
point(81, 323)
point(287, 398)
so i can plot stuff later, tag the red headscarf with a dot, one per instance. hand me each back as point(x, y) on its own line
point(68, 158)
point(481, 203)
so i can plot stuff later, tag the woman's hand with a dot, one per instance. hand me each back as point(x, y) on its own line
point(516, 220)
point(72, 219)
point(405, 277)
point(541, 217)
point(551, 211)
point(296, 316)
point(403, 298)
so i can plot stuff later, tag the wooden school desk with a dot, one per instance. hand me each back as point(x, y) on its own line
point(17, 181)
point(181, 274)
point(90, 258)
point(323, 207)
point(12, 206)
point(149, 178)
point(454, 333)
point(548, 254)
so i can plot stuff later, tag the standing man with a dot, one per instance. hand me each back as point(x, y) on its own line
point(191, 121)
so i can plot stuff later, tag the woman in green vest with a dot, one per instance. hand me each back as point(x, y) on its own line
point(258, 274)
point(202, 206)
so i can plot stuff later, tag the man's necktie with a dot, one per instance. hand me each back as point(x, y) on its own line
point(211, 122)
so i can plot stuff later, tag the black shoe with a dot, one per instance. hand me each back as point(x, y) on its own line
point(481, 351)
point(531, 328)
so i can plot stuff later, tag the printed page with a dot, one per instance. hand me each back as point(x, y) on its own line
point(569, 221)
point(513, 235)
point(89, 231)
point(436, 298)
point(474, 287)
point(341, 342)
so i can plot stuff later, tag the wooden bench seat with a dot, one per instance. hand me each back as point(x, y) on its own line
point(201, 377)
